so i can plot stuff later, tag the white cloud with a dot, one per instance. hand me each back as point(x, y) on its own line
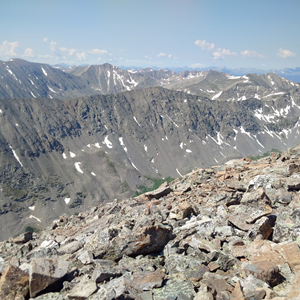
point(45, 56)
point(148, 57)
point(223, 53)
point(251, 54)
point(205, 45)
point(29, 53)
point(52, 46)
point(70, 51)
point(45, 39)
point(285, 53)
point(8, 48)
point(161, 54)
point(81, 56)
point(197, 65)
point(170, 55)
point(97, 51)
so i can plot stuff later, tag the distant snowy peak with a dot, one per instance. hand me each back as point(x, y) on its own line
point(23, 79)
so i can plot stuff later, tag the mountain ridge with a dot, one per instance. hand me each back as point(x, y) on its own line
point(65, 156)
point(22, 79)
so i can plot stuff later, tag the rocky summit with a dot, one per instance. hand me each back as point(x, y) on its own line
point(227, 232)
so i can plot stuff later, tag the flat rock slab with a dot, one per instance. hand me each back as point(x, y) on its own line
point(44, 271)
point(260, 212)
point(51, 296)
point(83, 290)
point(218, 285)
point(291, 254)
point(14, 283)
point(145, 281)
point(238, 250)
point(239, 222)
point(70, 248)
point(86, 257)
point(253, 197)
point(160, 192)
point(236, 185)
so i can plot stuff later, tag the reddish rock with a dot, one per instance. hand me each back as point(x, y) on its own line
point(290, 252)
point(151, 239)
point(145, 281)
point(238, 249)
point(213, 266)
point(238, 291)
point(265, 271)
point(216, 285)
point(182, 210)
point(14, 284)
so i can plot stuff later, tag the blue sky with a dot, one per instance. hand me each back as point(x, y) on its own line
point(163, 33)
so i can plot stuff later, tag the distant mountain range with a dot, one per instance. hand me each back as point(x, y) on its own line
point(288, 73)
point(70, 140)
point(22, 79)
point(292, 74)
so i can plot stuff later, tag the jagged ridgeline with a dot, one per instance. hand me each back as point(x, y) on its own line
point(65, 156)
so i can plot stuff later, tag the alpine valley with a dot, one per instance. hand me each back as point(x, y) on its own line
point(72, 139)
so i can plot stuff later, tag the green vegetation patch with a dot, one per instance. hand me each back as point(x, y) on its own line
point(157, 182)
point(257, 157)
point(31, 229)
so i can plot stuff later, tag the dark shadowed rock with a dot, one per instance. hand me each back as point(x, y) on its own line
point(23, 238)
point(101, 274)
point(44, 272)
point(293, 183)
point(160, 192)
point(265, 271)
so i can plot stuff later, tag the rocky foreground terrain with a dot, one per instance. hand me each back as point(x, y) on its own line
point(227, 232)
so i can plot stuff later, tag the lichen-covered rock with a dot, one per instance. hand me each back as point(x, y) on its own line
point(173, 289)
point(14, 284)
point(151, 239)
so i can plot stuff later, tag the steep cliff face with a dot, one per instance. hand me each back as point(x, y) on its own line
point(63, 156)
